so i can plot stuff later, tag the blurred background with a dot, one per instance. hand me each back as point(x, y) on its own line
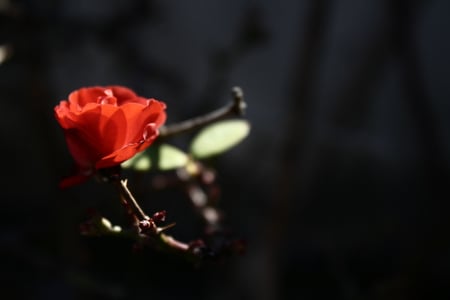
point(341, 191)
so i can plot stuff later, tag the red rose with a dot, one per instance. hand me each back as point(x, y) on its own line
point(105, 126)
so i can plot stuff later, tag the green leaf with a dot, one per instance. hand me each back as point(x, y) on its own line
point(219, 137)
point(168, 157)
point(139, 159)
point(163, 157)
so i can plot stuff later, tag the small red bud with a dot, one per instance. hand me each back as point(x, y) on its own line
point(159, 216)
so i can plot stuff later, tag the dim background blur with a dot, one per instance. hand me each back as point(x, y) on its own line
point(341, 190)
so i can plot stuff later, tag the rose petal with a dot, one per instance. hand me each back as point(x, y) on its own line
point(117, 157)
point(61, 112)
point(79, 98)
point(114, 131)
point(152, 113)
point(122, 93)
point(159, 109)
point(148, 136)
point(83, 152)
point(91, 135)
point(129, 150)
point(135, 114)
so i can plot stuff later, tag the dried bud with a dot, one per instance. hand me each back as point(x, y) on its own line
point(146, 225)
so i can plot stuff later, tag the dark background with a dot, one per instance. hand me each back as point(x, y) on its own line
point(341, 190)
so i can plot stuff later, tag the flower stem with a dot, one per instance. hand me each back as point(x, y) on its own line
point(130, 200)
point(236, 107)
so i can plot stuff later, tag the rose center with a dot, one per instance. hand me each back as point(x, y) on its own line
point(108, 98)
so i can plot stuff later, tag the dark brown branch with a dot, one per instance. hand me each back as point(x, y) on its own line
point(236, 107)
point(153, 232)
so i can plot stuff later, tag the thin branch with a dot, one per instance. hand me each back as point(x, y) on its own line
point(153, 232)
point(236, 107)
point(130, 200)
point(173, 243)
